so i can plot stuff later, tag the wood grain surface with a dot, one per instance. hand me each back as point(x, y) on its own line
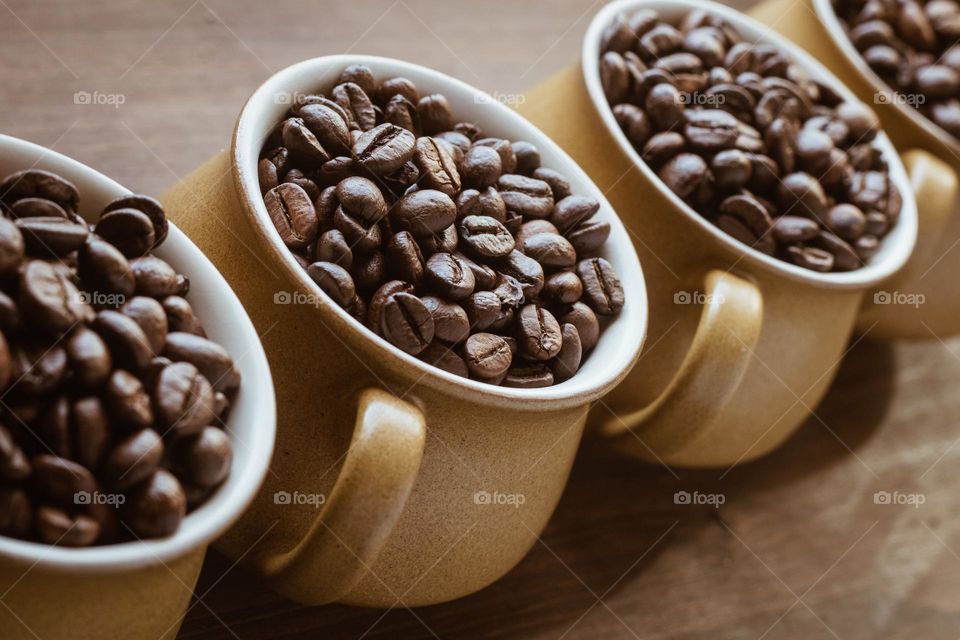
point(799, 547)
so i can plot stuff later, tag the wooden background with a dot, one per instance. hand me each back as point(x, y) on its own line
point(798, 550)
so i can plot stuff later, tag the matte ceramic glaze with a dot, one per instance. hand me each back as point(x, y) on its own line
point(762, 346)
point(432, 486)
point(930, 275)
point(140, 589)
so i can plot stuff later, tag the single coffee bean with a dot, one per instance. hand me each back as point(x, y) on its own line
point(528, 197)
point(180, 316)
point(104, 269)
point(127, 401)
point(846, 221)
point(811, 258)
point(37, 208)
point(559, 185)
point(487, 355)
point(480, 168)
point(450, 322)
point(334, 280)
point(333, 247)
point(56, 526)
point(129, 230)
point(407, 323)
point(793, 229)
point(90, 426)
point(293, 214)
point(59, 480)
point(205, 458)
point(49, 299)
point(147, 205)
point(568, 359)
point(405, 258)
point(539, 333)
point(384, 149)
point(379, 298)
point(129, 346)
point(435, 114)
point(550, 250)
point(528, 377)
point(356, 102)
point(184, 399)
point(563, 286)
point(14, 465)
point(89, 357)
point(133, 459)
point(601, 286)
point(573, 211)
point(37, 183)
point(443, 357)
point(436, 166)
point(423, 212)
point(156, 506)
point(36, 367)
point(483, 309)
point(484, 276)
point(12, 246)
point(485, 237)
point(209, 357)
point(449, 277)
point(485, 202)
point(149, 314)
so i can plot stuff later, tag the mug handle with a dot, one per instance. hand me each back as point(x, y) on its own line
point(711, 371)
point(359, 514)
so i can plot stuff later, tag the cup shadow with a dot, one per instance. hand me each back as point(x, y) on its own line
point(616, 517)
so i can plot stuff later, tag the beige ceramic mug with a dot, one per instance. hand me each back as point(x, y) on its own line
point(140, 589)
point(396, 483)
point(922, 300)
point(741, 346)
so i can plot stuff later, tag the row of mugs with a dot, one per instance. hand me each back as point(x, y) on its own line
point(381, 487)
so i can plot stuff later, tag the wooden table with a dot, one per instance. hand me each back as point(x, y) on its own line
point(798, 549)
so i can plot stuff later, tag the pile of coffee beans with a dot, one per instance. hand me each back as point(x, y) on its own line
point(456, 247)
point(742, 134)
point(110, 392)
point(914, 47)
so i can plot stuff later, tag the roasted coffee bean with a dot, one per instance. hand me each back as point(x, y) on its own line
point(361, 75)
point(684, 174)
point(484, 237)
point(50, 299)
point(104, 269)
point(846, 221)
point(302, 143)
point(811, 258)
point(589, 236)
point(437, 168)
point(53, 236)
point(54, 427)
point(485, 202)
point(129, 230)
point(36, 368)
point(293, 214)
point(384, 149)
point(403, 113)
point(550, 250)
point(601, 286)
point(794, 229)
point(149, 314)
point(482, 309)
point(156, 506)
point(333, 247)
point(526, 271)
point(327, 121)
point(59, 480)
point(559, 185)
point(145, 204)
point(180, 316)
point(133, 459)
point(571, 352)
point(487, 355)
point(12, 247)
point(405, 258)
point(205, 458)
point(441, 356)
point(449, 277)
point(56, 526)
point(484, 277)
point(406, 322)
point(37, 183)
point(572, 211)
point(423, 212)
point(528, 197)
point(89, 357)
point(532, 376)
point(127, 401)
point(361, 199)
point(563, 286)
point(356, 102)
point(481, 167)
point(538, 333)
point(91, 431)
point(210, 358)
point(375, 309)
point(450, 322)
point(13, 463)
point(156, 278)
point(528, 157)
point(184, 399)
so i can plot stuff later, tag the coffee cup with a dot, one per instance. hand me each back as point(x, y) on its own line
point(741, 345)
point(921, 300)
point(140, 589)
point(395, 483)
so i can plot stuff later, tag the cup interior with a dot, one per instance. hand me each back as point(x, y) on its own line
point(252, 420)
point(622, 337)
point(829, 19)
point(896, 246)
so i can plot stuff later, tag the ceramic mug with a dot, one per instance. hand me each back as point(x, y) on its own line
point(140, 589)
point(921, 301)
point(415, 486)
point(741, 345)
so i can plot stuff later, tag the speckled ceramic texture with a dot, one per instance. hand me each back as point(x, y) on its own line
point(933, 159)
point(432, 486)
point(140, 589)
point(752, 361)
